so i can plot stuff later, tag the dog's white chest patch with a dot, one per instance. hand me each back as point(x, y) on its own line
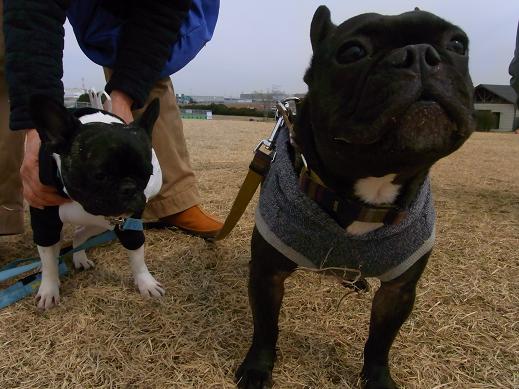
point(373, 190)
point(377, 190)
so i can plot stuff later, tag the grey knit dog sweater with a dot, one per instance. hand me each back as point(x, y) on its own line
point(299, 229)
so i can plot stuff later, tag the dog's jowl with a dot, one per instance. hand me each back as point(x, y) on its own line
point(388, 96)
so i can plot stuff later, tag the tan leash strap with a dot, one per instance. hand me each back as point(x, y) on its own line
point(258, 169)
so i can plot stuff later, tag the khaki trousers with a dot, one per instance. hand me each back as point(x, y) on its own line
point(11, 155)
point(179, 188)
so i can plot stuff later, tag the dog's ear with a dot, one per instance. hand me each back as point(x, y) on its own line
point(321, 26)
point(54, 123)
point(149, 116)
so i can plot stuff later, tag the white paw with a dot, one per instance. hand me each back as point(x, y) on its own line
point(149, 286)
point(81, 260)
point(48, 294)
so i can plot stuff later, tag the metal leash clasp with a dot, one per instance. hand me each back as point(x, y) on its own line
point(284, 116)
point(283, 109)
point(115, 220)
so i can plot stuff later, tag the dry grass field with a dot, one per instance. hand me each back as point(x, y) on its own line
point(463, 332)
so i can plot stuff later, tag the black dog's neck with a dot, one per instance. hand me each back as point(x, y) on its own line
point(408, 183)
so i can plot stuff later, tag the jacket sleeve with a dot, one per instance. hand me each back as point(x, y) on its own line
point(144, 47)
point(514, 67)
point(34, 39)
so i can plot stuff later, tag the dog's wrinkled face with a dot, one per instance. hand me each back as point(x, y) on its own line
point(386, 93)
point(105, 166)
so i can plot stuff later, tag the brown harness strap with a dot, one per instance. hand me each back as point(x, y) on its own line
point(343, 209)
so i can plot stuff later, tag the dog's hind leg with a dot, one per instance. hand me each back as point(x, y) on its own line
point(81, 235)
point(268, 271)
point(392, 304)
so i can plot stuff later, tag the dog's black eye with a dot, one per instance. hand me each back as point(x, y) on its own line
point(458, 46)
point(350, 52)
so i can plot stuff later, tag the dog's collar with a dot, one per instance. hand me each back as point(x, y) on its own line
point(125, 223)
point(343, 209)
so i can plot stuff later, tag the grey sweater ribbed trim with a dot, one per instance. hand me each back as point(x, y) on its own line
point(298, 228)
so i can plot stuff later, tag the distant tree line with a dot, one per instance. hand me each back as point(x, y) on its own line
point(84, 98)
point(222, 109)
point(217, 109)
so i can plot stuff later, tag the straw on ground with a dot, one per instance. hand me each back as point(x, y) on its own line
point(463, 332)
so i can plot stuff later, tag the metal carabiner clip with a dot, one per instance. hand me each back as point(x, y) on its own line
point(283, 117)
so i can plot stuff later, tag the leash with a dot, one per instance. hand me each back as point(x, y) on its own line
point(29, 284)
point(264, 154)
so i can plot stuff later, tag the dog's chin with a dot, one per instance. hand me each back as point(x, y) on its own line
point(109, 205)
point(96, 211)
point(115, 210)
point(425, 127)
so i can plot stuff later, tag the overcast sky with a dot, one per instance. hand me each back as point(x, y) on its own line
point(261, 45)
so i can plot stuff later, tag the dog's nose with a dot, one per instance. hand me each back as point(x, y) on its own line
point(415, 57)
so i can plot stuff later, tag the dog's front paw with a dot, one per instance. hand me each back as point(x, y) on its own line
point(48, 294)
point(377, 378)
point(81, 260)
point(255, 372)
point(149, 286)
point(253, 378)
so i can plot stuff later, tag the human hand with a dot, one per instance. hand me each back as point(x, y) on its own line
point(36, 194)
point(122, 105)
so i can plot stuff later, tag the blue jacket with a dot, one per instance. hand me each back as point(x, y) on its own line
point(140, 41)
point(97, 31)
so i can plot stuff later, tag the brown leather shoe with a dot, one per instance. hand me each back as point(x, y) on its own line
point(194, 221)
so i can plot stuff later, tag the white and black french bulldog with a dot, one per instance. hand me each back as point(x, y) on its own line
point(349, 191)
point(109, 170)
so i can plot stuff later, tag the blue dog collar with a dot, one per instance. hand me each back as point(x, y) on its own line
point(131, 224)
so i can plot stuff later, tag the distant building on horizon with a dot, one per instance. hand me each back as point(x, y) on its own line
point(497, 104)
point(71, 96)
point(203, 114)
point(183, 99)
point(208, 99)
point(275, 95)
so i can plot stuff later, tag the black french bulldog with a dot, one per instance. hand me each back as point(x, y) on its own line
point(109, 170)
point(388, 97)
